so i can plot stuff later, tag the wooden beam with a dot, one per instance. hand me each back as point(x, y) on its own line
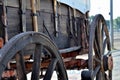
point(34, 15)
point(56, 17)
point(71, 49)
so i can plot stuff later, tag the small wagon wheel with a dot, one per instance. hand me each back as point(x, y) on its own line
point(42, 43)
point(100, 60)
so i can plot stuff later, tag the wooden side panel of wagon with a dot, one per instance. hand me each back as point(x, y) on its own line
point(69, 34)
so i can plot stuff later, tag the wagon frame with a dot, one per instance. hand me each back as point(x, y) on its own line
point(56, 35)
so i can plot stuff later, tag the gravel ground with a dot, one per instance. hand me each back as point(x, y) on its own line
point(116, 67)
point(76, 74)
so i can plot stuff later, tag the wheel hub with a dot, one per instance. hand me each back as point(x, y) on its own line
point(108, 63)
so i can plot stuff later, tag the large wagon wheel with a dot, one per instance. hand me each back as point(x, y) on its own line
point(100, 60)
point(43, 44)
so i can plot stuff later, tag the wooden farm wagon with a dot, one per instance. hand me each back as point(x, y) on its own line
point(43, 37)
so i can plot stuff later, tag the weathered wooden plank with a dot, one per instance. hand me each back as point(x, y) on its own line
point(46, 14)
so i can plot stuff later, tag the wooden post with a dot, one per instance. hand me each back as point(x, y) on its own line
point(38, 5)
point(70, 19)
point(4, 18)
point(75, 27)
point(23, 14)
point(74, 12)
point(56, 18)
point(22, 4)
point(34, 18)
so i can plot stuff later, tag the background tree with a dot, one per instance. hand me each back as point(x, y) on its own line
point(117, 23)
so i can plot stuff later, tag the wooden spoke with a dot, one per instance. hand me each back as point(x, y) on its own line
point(97, 69)
point(50, 69)
point(36, 64)
point(96, 49)
point(102, 30)
point(98, 36)
point(110, 75)
point(97, 60)
point(100, 76)
point(20, 66)
point(104, 45)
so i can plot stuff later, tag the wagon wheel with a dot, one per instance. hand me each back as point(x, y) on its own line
point(100, 60)
point(42, 43)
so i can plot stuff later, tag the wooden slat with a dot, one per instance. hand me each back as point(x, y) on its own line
point(34, 17)
point(69, 49)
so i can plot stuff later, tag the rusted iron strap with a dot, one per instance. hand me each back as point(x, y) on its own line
point(34, 14)
point(9, 74)
point(1, 42)
point(44, 26)
point(76, 64)
point(70, 54)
